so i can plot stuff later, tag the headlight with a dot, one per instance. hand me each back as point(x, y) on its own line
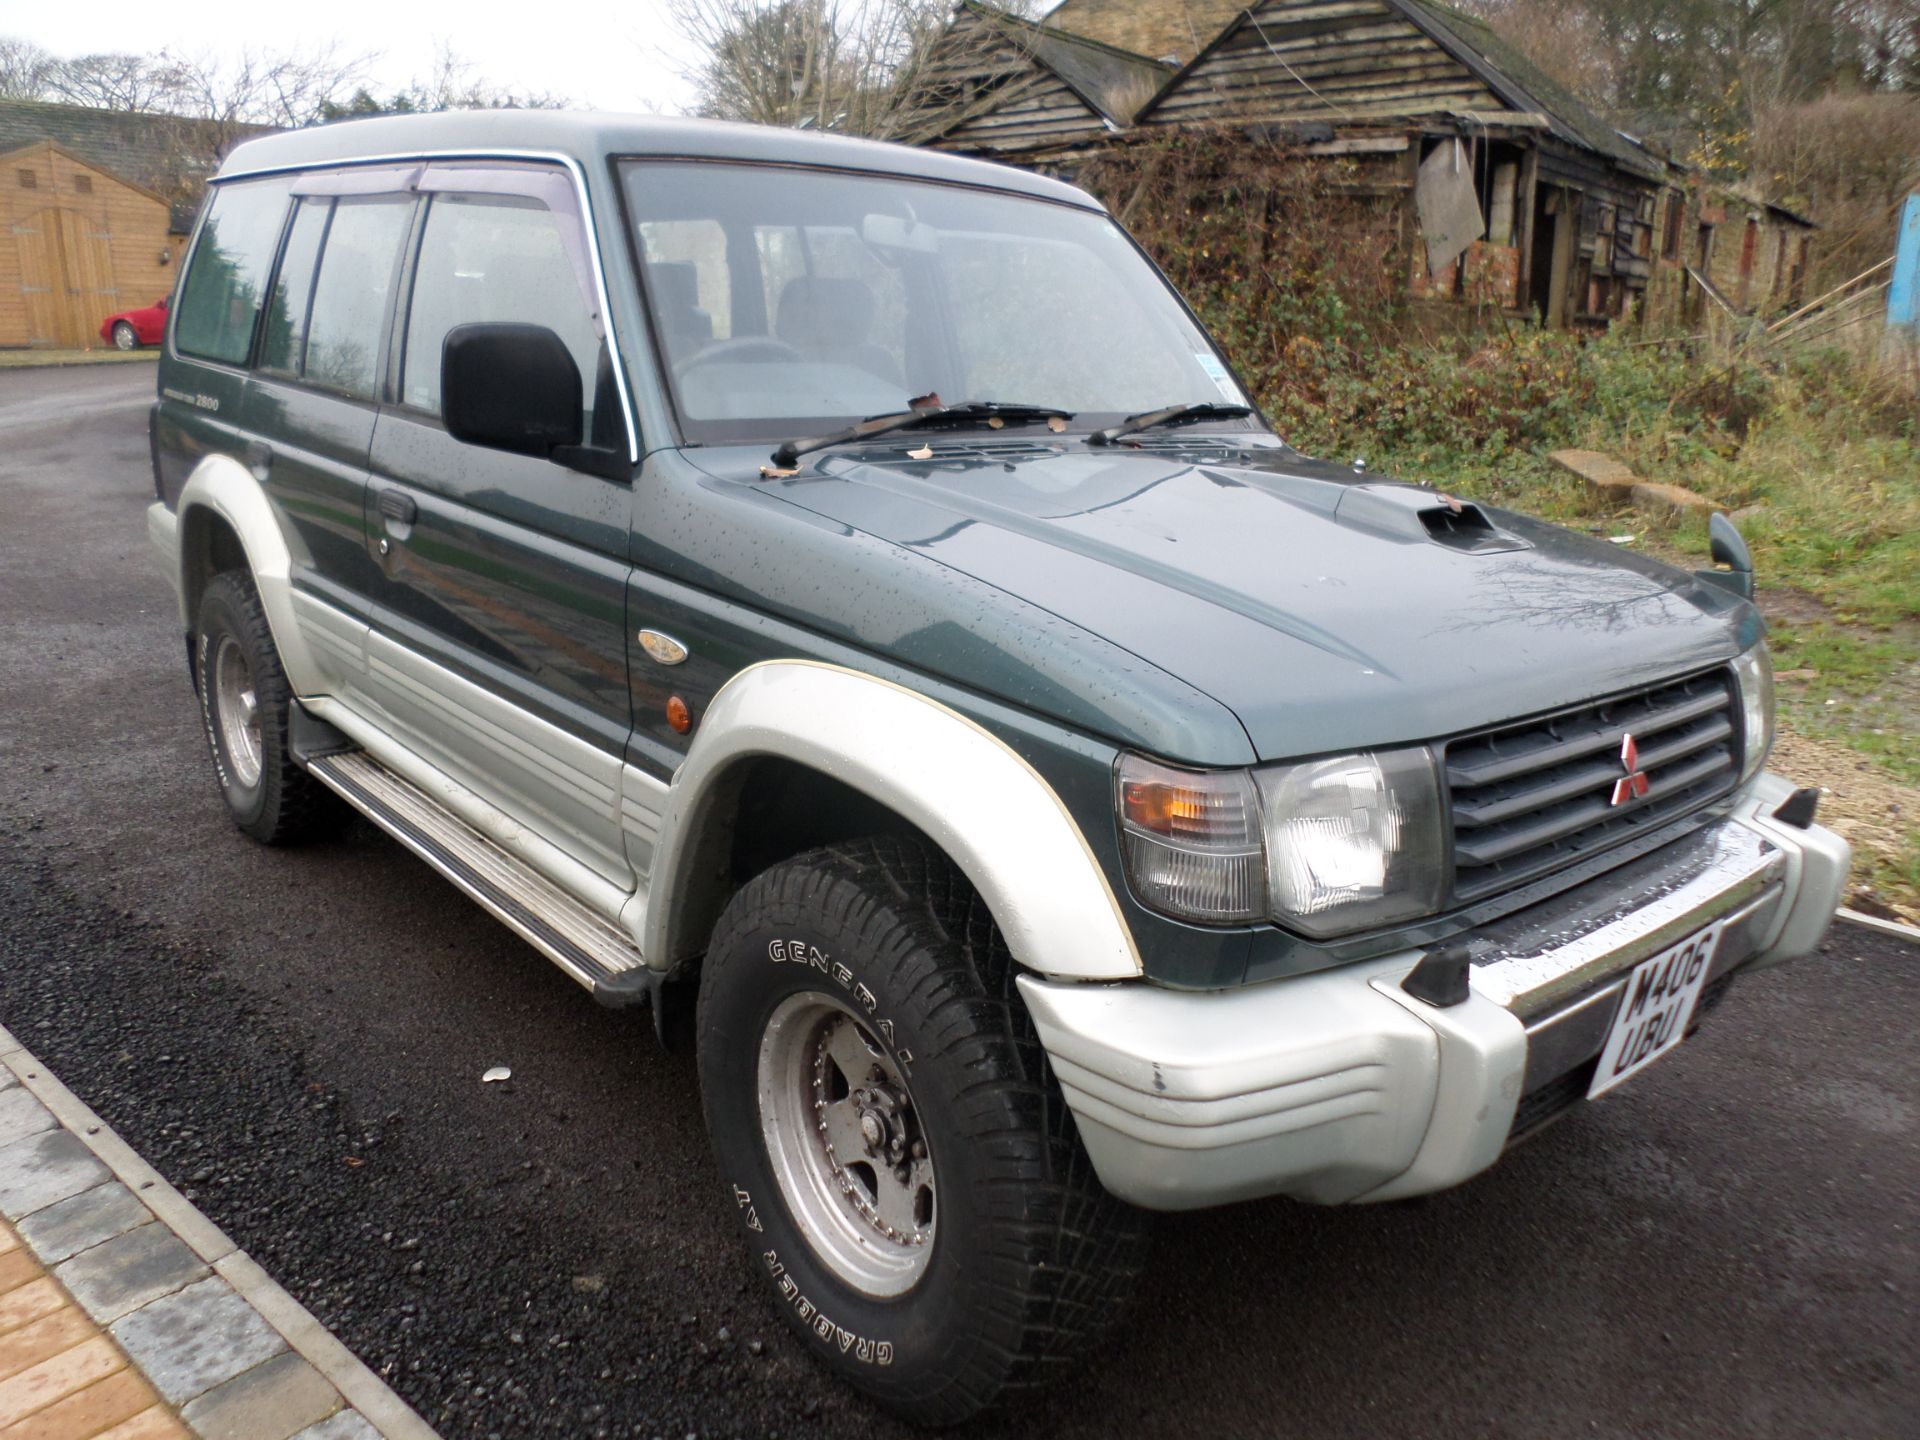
point(1327, 847)
point(1753, 673)
point(1354, 841)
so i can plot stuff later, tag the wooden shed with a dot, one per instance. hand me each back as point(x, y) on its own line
point(76, 244)
point(78, 234)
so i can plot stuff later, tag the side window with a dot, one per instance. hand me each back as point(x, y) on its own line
point(494, 257)
point(350, 294)
point(227, 282)
point(285, 345)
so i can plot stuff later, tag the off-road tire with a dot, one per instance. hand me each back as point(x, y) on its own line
point(284, 805)
point(1030, 1259)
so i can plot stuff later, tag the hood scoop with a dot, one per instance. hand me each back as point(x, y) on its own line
point(1413, 514)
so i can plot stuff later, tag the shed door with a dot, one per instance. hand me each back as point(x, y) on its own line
point(66, 275)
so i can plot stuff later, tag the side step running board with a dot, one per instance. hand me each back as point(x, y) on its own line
point(580, 942)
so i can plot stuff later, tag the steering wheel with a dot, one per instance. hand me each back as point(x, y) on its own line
point(740, 348)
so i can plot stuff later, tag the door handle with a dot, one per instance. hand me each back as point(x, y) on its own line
point(398, 506)
point(259, 459)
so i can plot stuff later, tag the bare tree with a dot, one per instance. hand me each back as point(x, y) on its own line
point(285, 88)
point(110, 80)
point(25, 70)
point(849, 65)
point(452, 84)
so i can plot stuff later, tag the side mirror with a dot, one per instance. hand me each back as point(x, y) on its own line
point(1730, 550)
point(163, 302)
point(510, 387)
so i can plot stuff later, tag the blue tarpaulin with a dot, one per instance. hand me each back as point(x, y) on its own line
point(1903, 296)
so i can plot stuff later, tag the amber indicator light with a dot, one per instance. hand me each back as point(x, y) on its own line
point(678, 716)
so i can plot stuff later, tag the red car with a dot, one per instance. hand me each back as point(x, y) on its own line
point(131, 329)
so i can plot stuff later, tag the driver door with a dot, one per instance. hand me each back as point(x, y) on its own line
point(498, 643)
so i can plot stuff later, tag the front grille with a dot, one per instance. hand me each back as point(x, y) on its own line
point(1529, 798)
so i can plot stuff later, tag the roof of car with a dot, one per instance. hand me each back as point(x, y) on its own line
point(589, 137)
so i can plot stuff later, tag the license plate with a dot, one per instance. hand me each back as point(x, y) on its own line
point(1654, 1009)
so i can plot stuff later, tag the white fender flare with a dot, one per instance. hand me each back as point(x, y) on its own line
point(222, 485)
point(973, 794)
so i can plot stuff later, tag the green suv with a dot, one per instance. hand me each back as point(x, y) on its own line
point(844, 590)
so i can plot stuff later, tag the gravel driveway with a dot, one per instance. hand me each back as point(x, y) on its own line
point(1727, 1247)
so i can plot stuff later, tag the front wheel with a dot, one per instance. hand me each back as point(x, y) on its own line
point(891, 1139)
point(124, 337)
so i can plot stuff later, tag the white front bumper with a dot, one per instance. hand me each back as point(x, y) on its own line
point(1339, 1086)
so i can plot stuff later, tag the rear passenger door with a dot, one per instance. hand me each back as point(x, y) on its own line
point(312, 399)
point(497, 649)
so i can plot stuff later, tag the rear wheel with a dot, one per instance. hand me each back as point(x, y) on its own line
point(246, 704)
point(124, 337)
point(891, 1138)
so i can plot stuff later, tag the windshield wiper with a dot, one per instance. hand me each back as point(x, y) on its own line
point(1172, 415)
point(874, 425)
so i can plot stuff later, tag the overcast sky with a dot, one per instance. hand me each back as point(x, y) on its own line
point(608, 56)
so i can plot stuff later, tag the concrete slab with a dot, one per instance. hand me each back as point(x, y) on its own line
point(1604, 475)
point(1676, 499)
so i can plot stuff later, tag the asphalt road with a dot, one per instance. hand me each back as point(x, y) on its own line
point(1726, 1247)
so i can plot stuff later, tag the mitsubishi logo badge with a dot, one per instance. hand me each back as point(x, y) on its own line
point(1634, 784)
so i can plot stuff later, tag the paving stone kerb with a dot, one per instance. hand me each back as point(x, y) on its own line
point(90, 1218)
point(120, 1275)
point(22, 1115)
point(275, 1399)
point(209, 1330)
point(190, 1341)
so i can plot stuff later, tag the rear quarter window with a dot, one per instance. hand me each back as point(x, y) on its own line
point(226, 283)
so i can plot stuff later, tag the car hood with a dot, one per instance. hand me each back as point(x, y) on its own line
point(1326, 608)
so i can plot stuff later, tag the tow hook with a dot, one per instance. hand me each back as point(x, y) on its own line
point(1441, 978)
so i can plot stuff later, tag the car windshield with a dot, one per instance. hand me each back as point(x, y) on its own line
point(794, 302)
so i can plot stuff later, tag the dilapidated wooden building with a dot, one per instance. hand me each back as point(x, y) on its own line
point(1723, 247)
point(1512, 194)
point(1004, 87)
point(1517, 194)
